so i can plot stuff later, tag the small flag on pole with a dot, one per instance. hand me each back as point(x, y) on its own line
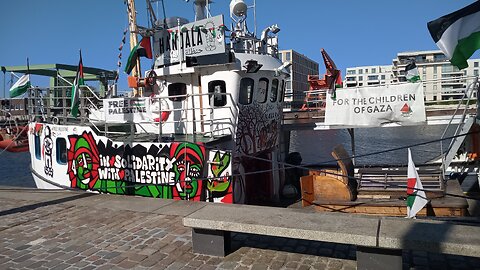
point(458, 34)
point(416, 198)
point(411, 72)
point(76, 88)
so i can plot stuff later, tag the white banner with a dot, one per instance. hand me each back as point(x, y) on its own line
point(393, 105)
point(204, 37)
point(122, 110)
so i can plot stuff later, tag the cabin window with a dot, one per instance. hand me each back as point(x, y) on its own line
point(177, 91)
point(37, 147)
point(274, 94)
point(262, 90)
point(61, 150)
point(282, 91)
point(218, 89)
point(246, 91)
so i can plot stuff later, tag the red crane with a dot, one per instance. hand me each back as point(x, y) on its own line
point(330, 80)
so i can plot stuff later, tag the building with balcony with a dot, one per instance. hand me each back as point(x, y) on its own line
point(442, 81)
point(301, 67)
point(368, 75)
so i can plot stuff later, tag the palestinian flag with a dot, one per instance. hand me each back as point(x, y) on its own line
point(75, 98)
point(458, 34)
point(411, 72)
point(416, 198)
point(141, 49)
point(21, 86)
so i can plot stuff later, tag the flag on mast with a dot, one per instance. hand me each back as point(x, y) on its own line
point(22, 84)
point(411, 72)
point(416, 198)
point(144, 49)
point(75, 98)
point(458, 34)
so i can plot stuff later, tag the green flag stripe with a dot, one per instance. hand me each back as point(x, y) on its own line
point(464, 49)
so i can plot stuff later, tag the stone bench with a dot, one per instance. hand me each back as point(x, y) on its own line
point(379, 240)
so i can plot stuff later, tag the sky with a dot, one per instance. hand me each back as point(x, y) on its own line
point(353, 32)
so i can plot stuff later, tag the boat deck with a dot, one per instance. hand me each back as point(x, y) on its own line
point(450, 205)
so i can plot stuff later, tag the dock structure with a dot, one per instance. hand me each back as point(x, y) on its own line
point(41, 229)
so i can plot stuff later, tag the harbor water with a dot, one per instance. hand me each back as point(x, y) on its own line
point(314, 146)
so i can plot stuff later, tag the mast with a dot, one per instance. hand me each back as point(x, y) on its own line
point(132, 26)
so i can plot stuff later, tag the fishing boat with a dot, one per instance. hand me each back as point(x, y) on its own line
point(202, 124)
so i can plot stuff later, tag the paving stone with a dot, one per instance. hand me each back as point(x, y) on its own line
point(79, 237)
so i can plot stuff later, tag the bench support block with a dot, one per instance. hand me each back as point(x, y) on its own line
point(378, 258)
point(211, 242)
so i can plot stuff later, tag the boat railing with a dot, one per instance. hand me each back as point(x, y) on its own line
point(53, 105)
point(213, 120)
point(253, 45)
point(463, 105)
point(440, 94)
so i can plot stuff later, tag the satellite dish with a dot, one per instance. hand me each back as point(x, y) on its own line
point(238, 8)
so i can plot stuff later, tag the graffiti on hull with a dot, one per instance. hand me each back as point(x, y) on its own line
point(172, 171)
point(219, 184)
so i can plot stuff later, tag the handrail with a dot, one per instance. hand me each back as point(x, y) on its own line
point(471, 85)
point(92, 106)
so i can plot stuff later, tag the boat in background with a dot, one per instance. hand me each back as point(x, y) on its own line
point(13, 138)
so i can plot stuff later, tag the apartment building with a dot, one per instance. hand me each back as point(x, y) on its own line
point(442, 81)
point(368, 75)
point(301, 67)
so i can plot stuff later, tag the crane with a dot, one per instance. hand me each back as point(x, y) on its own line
point(317, 86)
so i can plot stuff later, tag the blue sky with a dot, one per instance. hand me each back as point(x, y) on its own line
point(354, 33)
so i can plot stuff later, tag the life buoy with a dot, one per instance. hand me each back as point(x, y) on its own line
point(163, 117)
point(164, 114)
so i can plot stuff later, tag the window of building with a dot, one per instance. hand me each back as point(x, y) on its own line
point(360, 71)
point(374, 70)
point(288, 85)
point(274, 94)
point(372, 77)
point(262, 90)
point(475, 64)
point(287, 56)
point(439, 57)
point(61, 151)
point(351, 79)
point(383, 77)
point(218, 90)
point(475, 72)
point(366, 70)
point(360, 78)
point(246, 91)
point(177, 91)
point(37, 147)
point(435, 70)
point(351, 72)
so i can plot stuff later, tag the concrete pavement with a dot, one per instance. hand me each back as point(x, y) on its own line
point(73, 230)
